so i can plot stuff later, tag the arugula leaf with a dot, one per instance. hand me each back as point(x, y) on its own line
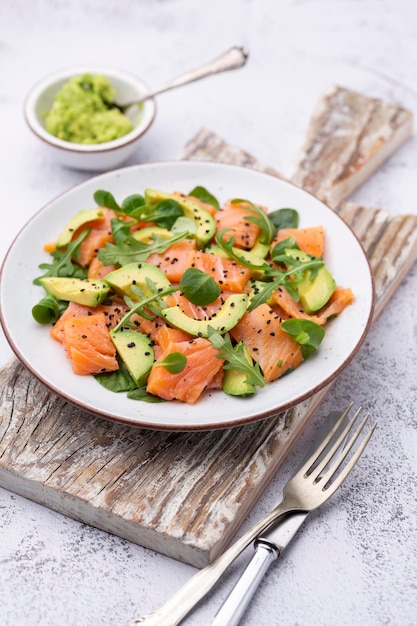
point(128, 251)
point(281, 246)
point(174, 362)
point(288, 279)
point(62, 264)
point(138, 310)
point(298, 264)
point(106, 199)
point(292, 290)
point(147, 302)
point(261, 219)
point(233, 253)
point(235, 357)
point(131, 250)
point(198, 287)
point(306, 333)
point(284, 218)
point(202, 194)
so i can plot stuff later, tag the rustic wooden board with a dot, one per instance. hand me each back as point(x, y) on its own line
point(348, 137)
point(182, 494)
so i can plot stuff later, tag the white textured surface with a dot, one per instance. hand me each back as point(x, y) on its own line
point(354, 562)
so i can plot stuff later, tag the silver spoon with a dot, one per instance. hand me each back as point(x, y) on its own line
point(230, 60)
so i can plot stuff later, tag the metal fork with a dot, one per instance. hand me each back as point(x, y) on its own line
point(310, 487)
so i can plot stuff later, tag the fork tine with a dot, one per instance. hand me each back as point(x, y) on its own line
point(336, 462)
point(336, 445)
point(349, 466)
point(304, 469)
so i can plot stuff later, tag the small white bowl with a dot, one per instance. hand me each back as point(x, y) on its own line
point(93, 157)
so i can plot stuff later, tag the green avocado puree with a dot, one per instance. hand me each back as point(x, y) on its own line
point(82, 113)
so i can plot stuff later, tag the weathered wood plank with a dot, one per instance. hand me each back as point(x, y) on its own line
point(207, 146)
point(390, 242)
point(183, 494)
point(349, 136)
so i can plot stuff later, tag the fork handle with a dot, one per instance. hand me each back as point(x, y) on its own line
point(187, 597)
point(233, 608)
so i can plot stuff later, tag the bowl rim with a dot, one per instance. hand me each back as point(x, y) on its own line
point(66, 146)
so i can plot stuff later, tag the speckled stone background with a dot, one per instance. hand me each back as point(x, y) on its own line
point(354, 562)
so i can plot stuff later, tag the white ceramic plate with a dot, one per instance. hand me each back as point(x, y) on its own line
point(47, 360)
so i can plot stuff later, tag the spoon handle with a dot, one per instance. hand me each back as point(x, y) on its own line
point(232, 59)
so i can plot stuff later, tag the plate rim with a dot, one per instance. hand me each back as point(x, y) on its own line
point(143, 423)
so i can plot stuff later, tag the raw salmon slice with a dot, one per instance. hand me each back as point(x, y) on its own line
point(150, 327)
point(112, 312)
point(234, 217)
point(100, 233)
point(310, 240)
point(338, 301)
point(274, 350)
point(97, 269)
point(228, 274)
point(217, 380)
point(174, 261)
point(88, 344)
point(167, 335)
point(200, 371)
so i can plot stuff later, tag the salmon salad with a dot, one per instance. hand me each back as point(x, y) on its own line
point(168, 295)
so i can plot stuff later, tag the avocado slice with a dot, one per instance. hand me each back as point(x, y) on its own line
point(314, 293)
point(226, 317)
point(260, 249)
point(246, 255)
point(255, 287)
point(214, 248)
point(87, 291)
point(234, 381)
point(135, 349)
point(80, 219)
point(122, 279)
point(206, 225)
point(147, 234)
